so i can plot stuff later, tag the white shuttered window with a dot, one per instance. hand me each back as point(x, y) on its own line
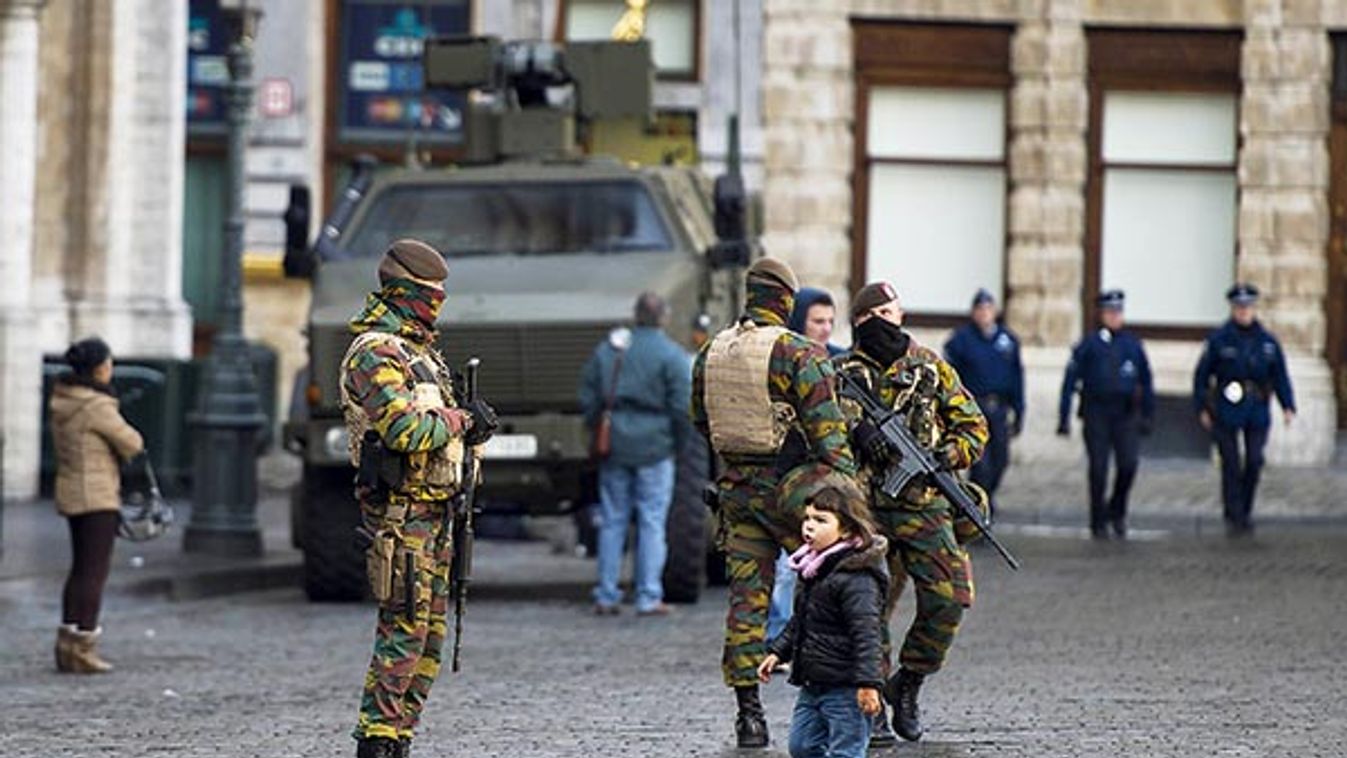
point(1169, 204)
point(935, 221)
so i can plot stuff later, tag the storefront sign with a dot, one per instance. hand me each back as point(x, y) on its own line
point(382, 98)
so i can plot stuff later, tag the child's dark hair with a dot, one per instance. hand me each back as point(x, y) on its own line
point(853, 516)
point(86, 355)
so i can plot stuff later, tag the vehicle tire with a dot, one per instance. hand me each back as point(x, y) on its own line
point(334, 568)
point(685, 530)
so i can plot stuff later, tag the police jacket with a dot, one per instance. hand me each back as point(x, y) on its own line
point(833, 638)
point(988, 365)
point(1240, 369)
point(650, 405)
point(1109, 368)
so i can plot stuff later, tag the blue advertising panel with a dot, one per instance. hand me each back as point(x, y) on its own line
point(207, 67)
point(382, 98)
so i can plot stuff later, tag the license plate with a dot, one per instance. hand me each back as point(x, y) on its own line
point(511, 446)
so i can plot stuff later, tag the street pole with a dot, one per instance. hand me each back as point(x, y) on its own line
point(229, 413)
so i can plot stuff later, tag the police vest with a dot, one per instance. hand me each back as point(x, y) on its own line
point(743, 418)
point(438, 468)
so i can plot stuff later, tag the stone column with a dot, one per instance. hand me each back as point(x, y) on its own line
point(807, 112)
point(1283, 216)
point(1045, 269)
point(129, 283)
point(20, 363)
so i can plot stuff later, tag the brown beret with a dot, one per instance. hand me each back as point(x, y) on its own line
point(776, 270)
point(409, 258)
point(870, 296)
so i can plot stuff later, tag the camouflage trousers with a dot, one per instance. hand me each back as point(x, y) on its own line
point(407, 646)
point(923, 548)
point(751, 533)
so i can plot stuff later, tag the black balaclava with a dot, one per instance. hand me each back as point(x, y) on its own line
point(882, 340)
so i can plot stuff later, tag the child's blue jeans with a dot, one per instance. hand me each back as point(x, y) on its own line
point(828, 723)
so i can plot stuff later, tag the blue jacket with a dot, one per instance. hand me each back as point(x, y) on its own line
point(988, 365)
point(650, 408)
point(804, 299)
point(1110, 367)
point(1251, 357)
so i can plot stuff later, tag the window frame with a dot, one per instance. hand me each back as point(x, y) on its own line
point(698, 18)
point(934, 55)
point(1156, 61)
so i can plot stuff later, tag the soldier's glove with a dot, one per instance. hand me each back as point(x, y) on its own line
point(948, 457)
point(870, 443)
point(484, 422)
point(1064, 429)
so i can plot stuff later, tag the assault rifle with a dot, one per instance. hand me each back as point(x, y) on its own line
point(910, 460)
point(465, 508)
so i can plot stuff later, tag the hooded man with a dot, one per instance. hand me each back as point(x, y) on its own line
point(814, 316)
point(755, 385)
point(407, 430)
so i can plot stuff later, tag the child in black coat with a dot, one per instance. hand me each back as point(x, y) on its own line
point(833, 639)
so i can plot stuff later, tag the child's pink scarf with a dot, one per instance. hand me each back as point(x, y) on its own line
point(807, 561)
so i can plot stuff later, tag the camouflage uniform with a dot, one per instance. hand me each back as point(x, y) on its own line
point(752, 530)
point(920, 524)
point(378, 380)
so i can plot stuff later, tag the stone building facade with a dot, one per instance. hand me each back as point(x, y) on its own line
point(90, 195)
point(1267, 63)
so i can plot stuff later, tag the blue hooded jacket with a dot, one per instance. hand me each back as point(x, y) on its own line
point(804, 299)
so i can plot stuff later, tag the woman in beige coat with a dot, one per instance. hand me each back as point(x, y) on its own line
point(92, 440)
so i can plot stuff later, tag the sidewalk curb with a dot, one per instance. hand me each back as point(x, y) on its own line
point(217, 582)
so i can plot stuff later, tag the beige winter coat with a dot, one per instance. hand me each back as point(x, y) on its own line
point(91, 439)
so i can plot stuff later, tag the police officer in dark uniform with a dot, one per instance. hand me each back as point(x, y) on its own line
point(1117, 402)
point(1242, 366)
point(986, 355)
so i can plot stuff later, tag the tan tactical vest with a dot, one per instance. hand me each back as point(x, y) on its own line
point(441, 467)
point(743, 418)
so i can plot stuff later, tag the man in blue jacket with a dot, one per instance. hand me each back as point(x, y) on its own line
point(642, 380)
point(1242, 366)
point(986, 355)
point(1117, 403)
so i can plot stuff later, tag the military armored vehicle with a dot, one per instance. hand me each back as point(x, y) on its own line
point(547, 251)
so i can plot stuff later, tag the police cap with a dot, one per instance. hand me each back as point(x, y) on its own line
point(412, 259)
point(775, 270)
point(983, 296)
point(1110, 300)
point(870, 296)
point(1242, 293)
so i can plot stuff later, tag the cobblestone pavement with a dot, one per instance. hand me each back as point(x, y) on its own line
point(1168, 647)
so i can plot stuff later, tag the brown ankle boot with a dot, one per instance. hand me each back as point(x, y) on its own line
point(65, 640)
point(84, 653)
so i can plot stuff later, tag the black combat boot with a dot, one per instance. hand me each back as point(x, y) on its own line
point(881, 734)
point(751, 724)
point(377, 747)
point(901, 691)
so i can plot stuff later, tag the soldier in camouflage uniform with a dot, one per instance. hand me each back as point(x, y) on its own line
point(396, 386)
point(764, 397)
point(925, 541)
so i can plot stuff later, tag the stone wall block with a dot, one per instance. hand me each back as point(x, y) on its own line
point(1066, 161)
point(1300, 217)
point(1067, 107)
point(1257, 218)
point(1029, 49)
point(1263, 13)
point(1063, 214)
point(1026, 211)
point(1066, 52)
point(1304, 12)
point(1029, 103)
point(808, 43)
point(1301, 163)
point(1304, 54)
point(1303, 276)
point(1260, 59)
point(1255, 265)
point(1029, 157)
point(1257, 160)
